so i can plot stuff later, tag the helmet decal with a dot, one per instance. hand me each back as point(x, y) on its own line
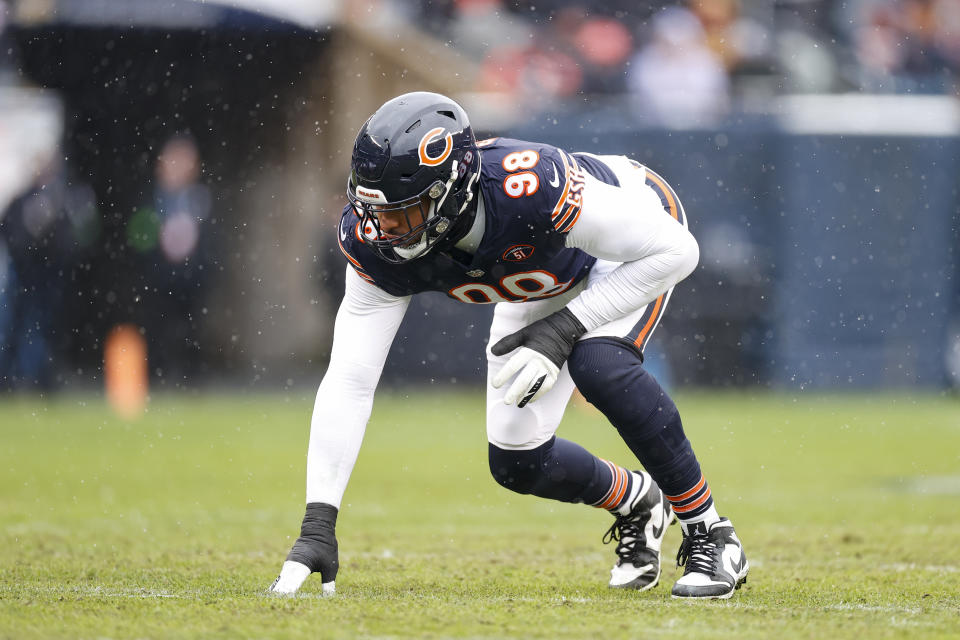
point(371, 195)
point(432, 135)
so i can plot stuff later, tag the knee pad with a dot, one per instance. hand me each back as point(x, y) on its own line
point(517, 469)
point(610, 375)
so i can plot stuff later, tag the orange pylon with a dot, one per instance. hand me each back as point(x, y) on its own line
point(125, 371)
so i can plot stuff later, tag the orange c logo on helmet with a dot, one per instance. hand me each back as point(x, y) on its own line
point(432, 135)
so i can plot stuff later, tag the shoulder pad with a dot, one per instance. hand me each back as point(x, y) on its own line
point(538, 177)
point(569, 194)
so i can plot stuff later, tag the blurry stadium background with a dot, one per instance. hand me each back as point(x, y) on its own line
point(178, 166)
point(171, 172)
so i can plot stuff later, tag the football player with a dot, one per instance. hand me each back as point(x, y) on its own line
point(580, 253)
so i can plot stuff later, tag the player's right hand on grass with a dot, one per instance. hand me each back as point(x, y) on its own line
point(315, 551)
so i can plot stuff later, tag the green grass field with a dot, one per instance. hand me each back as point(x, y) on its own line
point(174, 525)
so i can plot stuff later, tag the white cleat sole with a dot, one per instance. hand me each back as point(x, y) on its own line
point(741, 580)
point(631, 585)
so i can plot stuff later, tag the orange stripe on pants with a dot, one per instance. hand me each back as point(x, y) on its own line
point(651, 323)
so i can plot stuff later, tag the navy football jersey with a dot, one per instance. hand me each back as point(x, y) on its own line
point(532, 197)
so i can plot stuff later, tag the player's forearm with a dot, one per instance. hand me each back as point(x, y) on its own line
point(633, 285)
point(367, 321)
point(340, 416)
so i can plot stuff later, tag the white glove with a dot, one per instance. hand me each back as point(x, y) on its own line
point(537, 376)
point(541, 349)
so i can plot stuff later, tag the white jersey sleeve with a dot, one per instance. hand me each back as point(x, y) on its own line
point(366, 324)
point(628, 224)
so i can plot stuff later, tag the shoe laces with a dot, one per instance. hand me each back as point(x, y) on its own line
point(628, 532)
point(698, 553)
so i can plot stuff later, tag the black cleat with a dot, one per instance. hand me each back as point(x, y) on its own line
point(640, 536)
point(713, 560)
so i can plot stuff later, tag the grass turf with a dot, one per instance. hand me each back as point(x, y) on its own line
point(174, 525)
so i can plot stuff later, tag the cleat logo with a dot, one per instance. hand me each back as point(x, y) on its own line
point(657, 532)
point(738, 567)
point(430, 137)
point(734, 558)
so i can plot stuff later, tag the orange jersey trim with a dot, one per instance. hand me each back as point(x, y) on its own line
point(567, 211)
point(356, 265)
point(566, 188)
point(568, 219)
point(574, 221)
point(343, 250)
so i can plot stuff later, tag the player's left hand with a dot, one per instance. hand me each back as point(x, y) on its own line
point(542, 348)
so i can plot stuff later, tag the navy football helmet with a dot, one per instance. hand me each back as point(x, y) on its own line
point(417, 153)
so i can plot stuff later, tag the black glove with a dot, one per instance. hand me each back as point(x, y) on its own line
point(543, 348)
point(553, 336)
point(317, 545)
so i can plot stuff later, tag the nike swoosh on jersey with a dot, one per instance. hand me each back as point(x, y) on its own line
point(343, 235)
point(556, 178)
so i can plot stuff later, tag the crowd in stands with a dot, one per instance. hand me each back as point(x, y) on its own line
point(688, 61)
point(908, 46)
